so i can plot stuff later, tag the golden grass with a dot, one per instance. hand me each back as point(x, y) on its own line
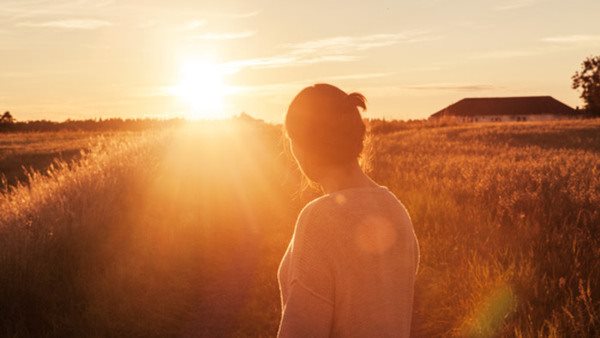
point(180, 232)
point(507, 216)
point(37, 150)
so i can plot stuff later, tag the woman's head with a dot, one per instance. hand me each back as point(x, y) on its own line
point(325, 128)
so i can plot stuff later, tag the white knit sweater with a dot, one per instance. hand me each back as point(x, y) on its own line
point(350, 267)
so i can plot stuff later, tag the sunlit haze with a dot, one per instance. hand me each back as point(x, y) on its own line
point(202, 87)
point(89, 59)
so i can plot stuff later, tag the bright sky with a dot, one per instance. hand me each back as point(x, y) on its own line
point(79, 59)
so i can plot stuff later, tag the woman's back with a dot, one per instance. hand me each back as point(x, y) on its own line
point(350, 267)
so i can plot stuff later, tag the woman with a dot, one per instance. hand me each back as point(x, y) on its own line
point(350, 267)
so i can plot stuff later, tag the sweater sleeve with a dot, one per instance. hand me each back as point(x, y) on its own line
point(308, 311)
point(305, 314)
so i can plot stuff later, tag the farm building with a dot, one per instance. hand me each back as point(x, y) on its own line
point(492, 109)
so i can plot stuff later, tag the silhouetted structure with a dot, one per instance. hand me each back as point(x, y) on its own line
point(491, 109)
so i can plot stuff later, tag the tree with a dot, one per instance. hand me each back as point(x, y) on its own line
point(588, 79)
point(7, 118)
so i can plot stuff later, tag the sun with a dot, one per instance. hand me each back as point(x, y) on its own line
point(202, 88)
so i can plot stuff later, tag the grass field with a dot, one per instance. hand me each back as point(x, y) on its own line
point(23, 152)
point(179, 232)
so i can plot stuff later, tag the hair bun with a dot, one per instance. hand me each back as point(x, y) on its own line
point(357, 100)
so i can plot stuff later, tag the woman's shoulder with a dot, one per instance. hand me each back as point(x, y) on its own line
point(313, 209)
point(318, 218)
point(348, 200)
point(317, 204)
point(344, 205)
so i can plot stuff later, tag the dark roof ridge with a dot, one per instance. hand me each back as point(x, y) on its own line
point(506, 105)
point(506, 97)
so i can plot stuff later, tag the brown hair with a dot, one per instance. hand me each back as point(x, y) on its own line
point(325, 122)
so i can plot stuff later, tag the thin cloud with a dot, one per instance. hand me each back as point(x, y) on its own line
point(193, 25)
point(343, 44)
point(515, 4)
point(242, 15)
point(361, 76)
point(85, 24)
point(23, 9)
point(555, 44)
point(505, 54)
point(327, 58)
point(571, 39)
point(266, 62)
point(285, 60)
point(277, 88)
point(226, 36)
point(462, 87)
point(422, 69)
point(335, 49)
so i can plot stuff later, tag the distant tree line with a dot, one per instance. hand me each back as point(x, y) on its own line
point(9, 124)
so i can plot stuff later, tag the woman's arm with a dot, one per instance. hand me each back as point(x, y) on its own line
point(306, 314)
point(308, 309)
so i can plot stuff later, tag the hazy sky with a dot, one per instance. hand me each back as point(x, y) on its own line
point(83, 59)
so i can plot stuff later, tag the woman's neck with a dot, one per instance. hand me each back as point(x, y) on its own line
point(346, 177)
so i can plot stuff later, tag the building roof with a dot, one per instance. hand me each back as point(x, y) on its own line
point(524, 105)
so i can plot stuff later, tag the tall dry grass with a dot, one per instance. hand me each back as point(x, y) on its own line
point(37, 150)
point(507, 216)
point(54, 229)
point(179, 233)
